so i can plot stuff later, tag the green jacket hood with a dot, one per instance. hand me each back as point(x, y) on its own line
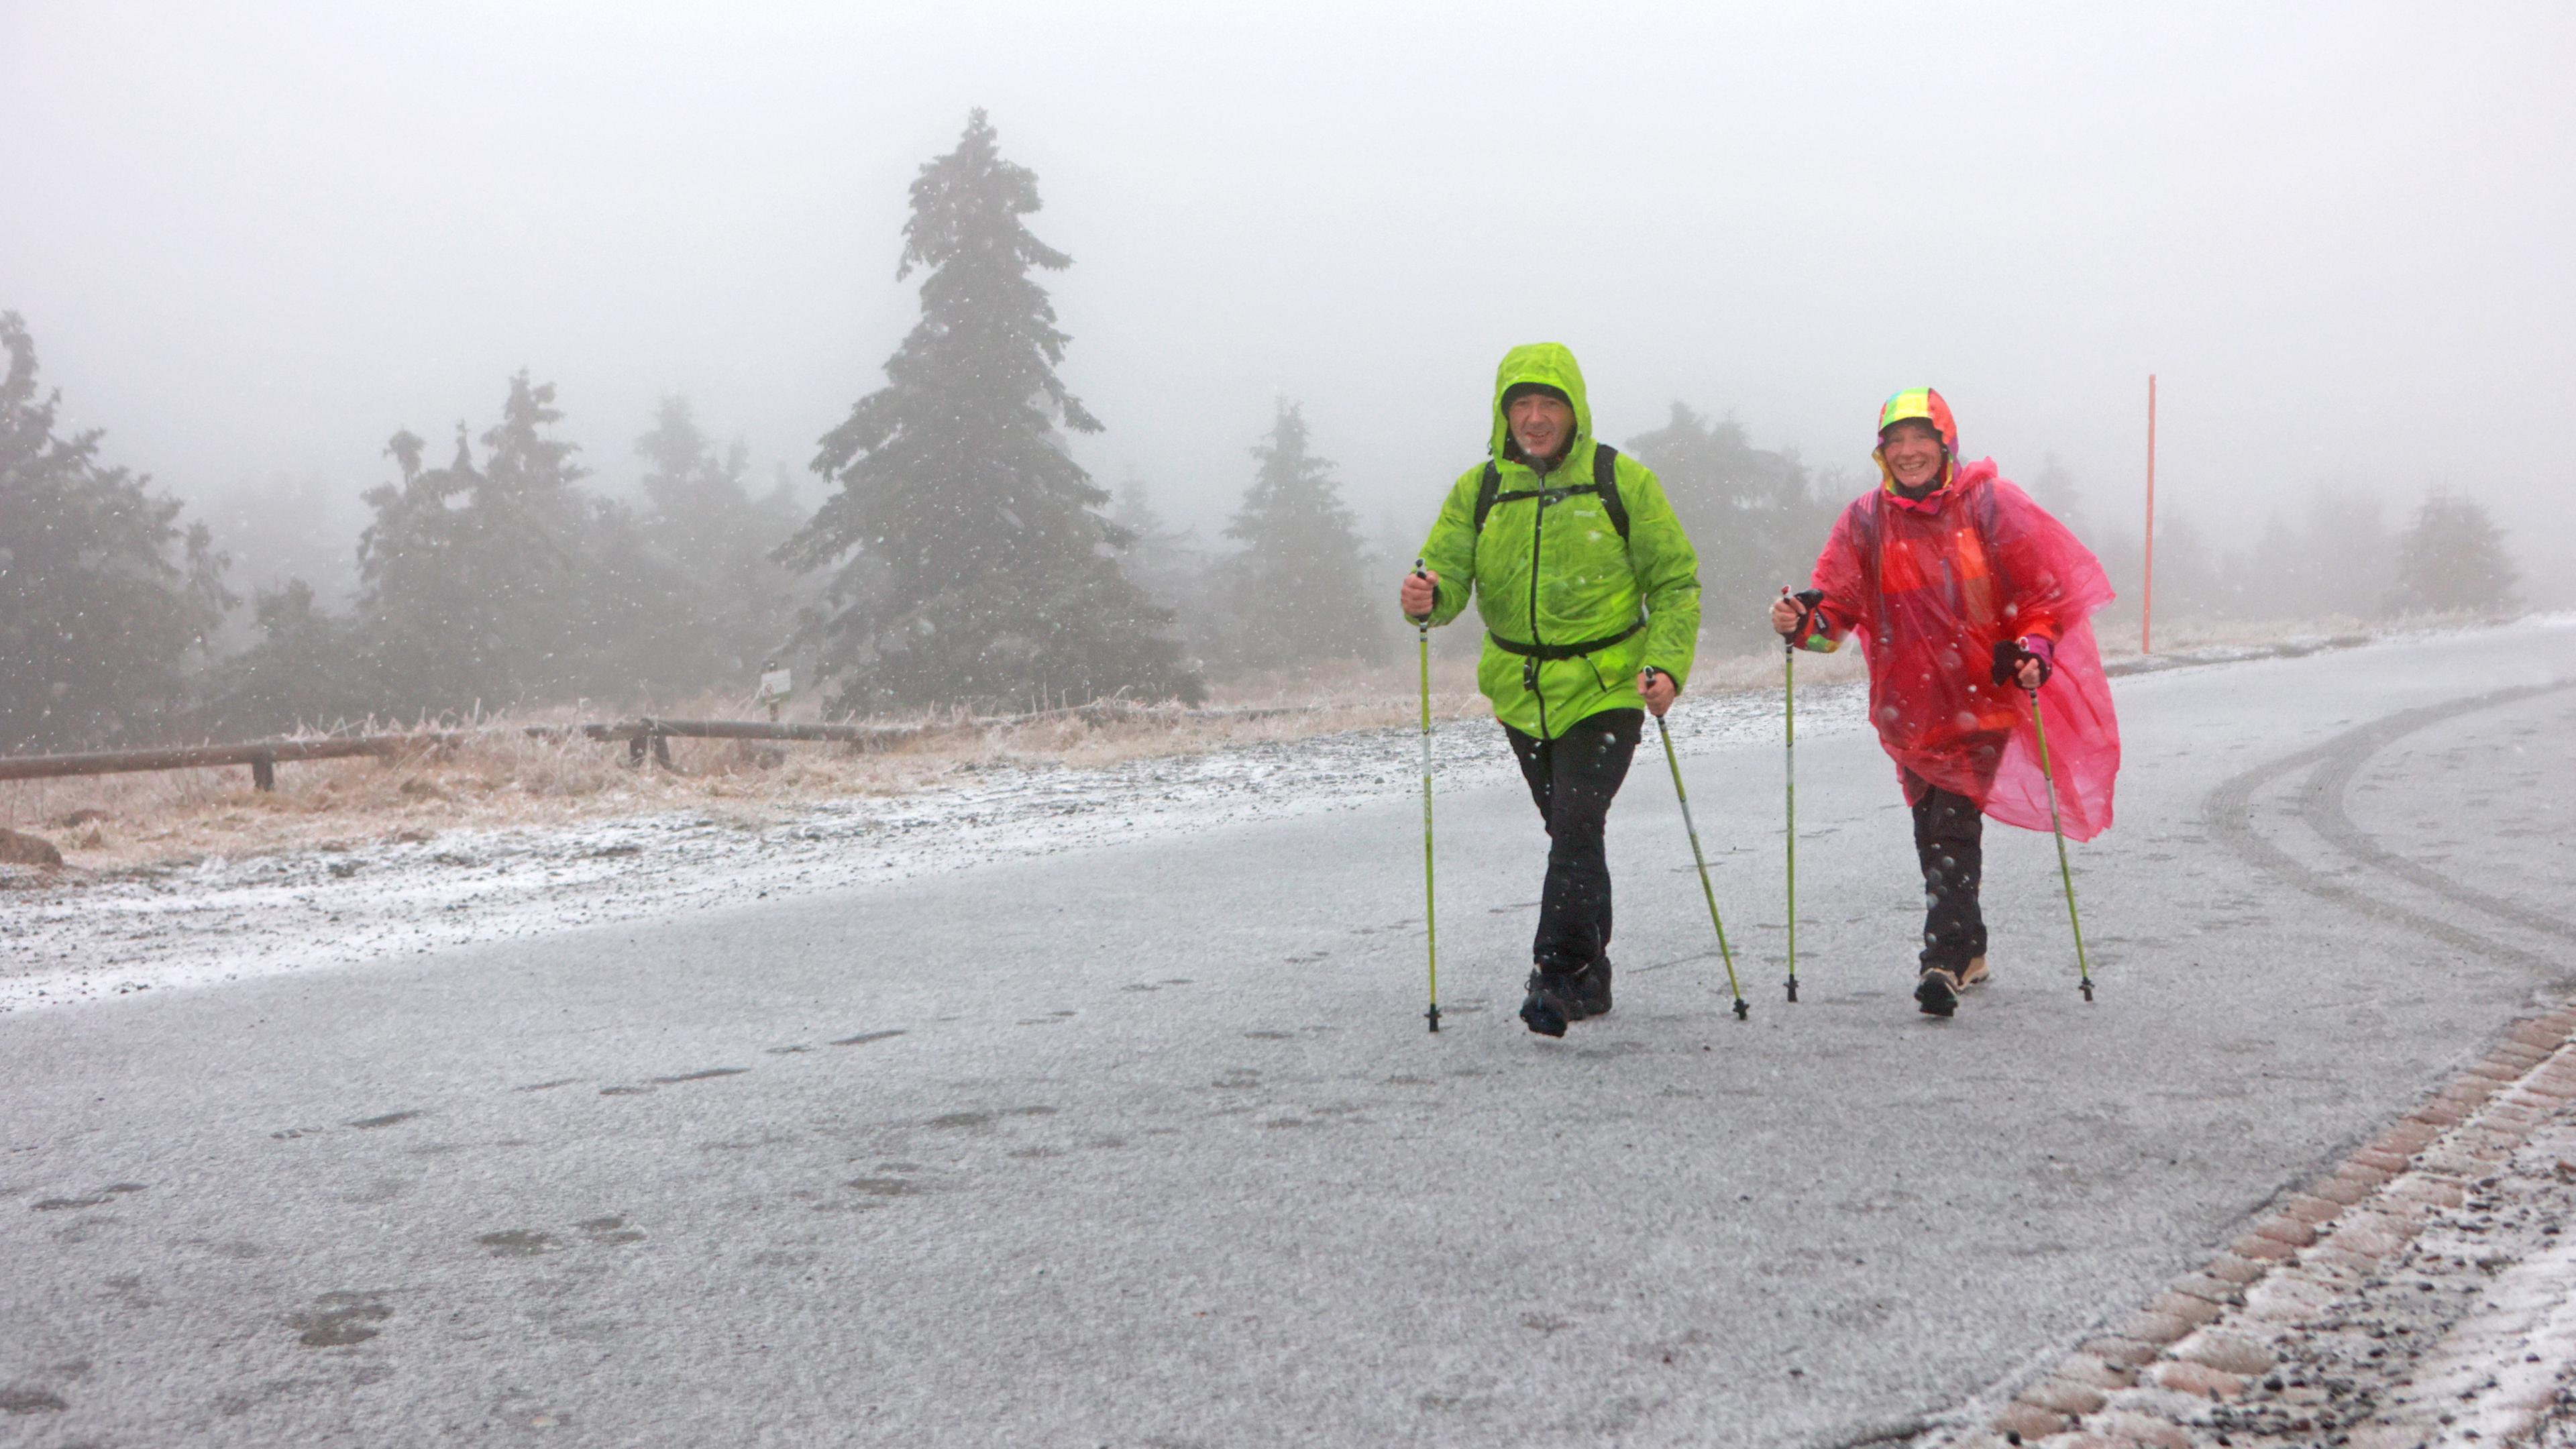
point(1542, 362)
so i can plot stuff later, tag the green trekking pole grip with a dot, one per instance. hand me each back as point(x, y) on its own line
point(2065, 874)
point(1743, 1012)
point(1430, 924)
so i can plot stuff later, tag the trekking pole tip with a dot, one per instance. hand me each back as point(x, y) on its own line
point(1433, 1015)
point(1743, 1012)
point(2088, 991)
point(1793, 988)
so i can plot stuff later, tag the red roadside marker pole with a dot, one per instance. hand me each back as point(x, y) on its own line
point(2147, 600)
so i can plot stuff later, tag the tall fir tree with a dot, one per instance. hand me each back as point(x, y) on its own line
point(971, 560)
point(1299, 592)
point(477, 582)
point(416, 625)
point(2452, 559)
point(105, 601)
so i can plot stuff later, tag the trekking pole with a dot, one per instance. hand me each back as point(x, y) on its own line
point(2039, 727)
point(1807, 601)
point(1430, 926)
point(1742, 1011)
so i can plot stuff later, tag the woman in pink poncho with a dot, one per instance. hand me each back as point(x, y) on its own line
point(1950, 577)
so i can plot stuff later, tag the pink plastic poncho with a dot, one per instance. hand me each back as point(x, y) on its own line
point(1928, 588)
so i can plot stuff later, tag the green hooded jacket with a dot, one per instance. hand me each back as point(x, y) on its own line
point(1554, 571)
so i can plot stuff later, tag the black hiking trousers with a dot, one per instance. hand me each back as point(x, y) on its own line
point(1949, 841)
point(1573, 777)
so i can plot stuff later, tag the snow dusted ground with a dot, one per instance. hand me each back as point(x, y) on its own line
point(83, 938)
point(1154, 1148)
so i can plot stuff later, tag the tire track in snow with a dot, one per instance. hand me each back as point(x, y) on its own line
point(2228, 812)
point(2323, 808)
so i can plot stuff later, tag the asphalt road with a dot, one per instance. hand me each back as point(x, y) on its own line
point(1147, 1145)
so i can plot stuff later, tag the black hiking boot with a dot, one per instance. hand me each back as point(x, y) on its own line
point(1937, 992)
point(1592, 988)
point(1553, 1001)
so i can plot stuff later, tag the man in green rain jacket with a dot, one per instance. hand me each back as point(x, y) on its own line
point(1589, 593)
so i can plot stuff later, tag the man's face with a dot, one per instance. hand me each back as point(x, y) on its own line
point(1913, 452)
point(1542, 425)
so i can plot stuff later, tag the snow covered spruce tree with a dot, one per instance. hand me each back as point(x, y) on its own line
point(2452, 559)
point(971, 560)
point(1300, 590)
point(104, 599)
point(462, 571)
point(503, 583)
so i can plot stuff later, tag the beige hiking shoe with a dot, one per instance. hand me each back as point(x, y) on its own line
point(1974, 974)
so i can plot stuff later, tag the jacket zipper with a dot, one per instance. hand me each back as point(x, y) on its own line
point(1538, 531)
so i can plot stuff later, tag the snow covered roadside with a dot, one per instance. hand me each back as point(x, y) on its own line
point(2421, 1295)
point(2467, 1338)
point(76, 940)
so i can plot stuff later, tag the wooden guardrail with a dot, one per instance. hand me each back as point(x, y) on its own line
point(645, 737)
point(642, 736)
point(263, 756)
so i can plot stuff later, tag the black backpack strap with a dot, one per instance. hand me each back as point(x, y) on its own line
point(1486, 488)
point(1605, 476)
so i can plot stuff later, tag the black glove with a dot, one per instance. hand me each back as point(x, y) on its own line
point(2009, 656)
point(1807, 600)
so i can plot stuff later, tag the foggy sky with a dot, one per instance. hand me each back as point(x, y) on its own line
point(252, 240)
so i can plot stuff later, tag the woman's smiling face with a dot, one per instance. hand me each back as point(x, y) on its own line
point(1912, 449)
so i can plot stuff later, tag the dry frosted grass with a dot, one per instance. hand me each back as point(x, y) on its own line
point(503, 778)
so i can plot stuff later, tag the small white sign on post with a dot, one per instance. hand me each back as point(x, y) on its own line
point(776, 685)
